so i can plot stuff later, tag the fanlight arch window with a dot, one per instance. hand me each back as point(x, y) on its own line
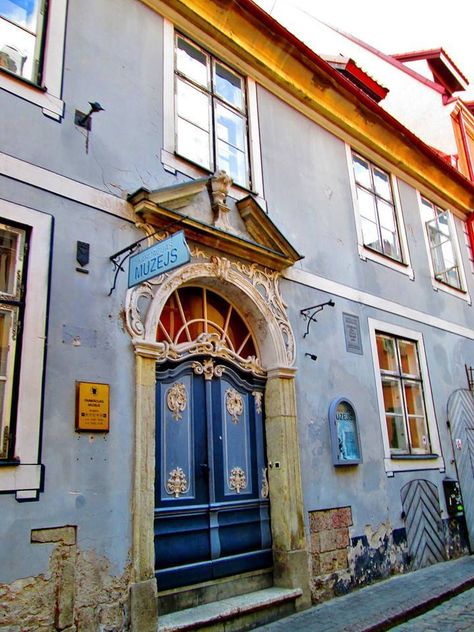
point(197, 320)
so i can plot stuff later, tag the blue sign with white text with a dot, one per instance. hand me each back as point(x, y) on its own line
point(159, 258)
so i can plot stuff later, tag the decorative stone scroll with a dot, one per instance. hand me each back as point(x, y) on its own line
point(261, 285)
point(208, 369)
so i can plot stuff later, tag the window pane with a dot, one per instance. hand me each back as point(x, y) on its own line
point(397, 436)
point(17, 50)
point(392, 396)
point(230, 127)
point(414, 398)
point(233, 162)
point(193, 105)
point(390, 244)
point(6, 323)
point(193, 143)
point(21, 12)
point(382, 184)
point(192, 62)
point(366, 204)
point(9, 246)
point(229, 86)
point(408, 357)
point(386, 216)
point(362, 171)
point(419, 435)
point(370, 234)
point(387, 353)
point(443, 224)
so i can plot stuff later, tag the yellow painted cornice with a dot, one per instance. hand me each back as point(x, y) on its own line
point(281, 63)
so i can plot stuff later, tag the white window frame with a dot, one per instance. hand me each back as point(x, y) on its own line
point(24, 479)
point(365, 253)
point(48, 94)
point(398, 463)
point(174, 163)
point(438, 285)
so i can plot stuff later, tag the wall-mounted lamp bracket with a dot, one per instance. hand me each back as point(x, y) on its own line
point(85, 120)
point(309, 313)
point(129, 250)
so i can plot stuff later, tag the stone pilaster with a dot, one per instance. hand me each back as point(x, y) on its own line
point(284, 473)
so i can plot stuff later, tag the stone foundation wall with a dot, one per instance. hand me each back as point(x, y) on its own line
point(77, 594)
point(340, 563)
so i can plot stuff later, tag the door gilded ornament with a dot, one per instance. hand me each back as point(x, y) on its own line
point(177, 483)
point(234, 404)
point(208, 369)
point(265, 490)
point(177, 400)
point(258, 400)
point(237, 480)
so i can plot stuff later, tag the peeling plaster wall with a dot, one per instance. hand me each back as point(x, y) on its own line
point(76, 593)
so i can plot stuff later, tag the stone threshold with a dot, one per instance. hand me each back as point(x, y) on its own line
point(219, 612)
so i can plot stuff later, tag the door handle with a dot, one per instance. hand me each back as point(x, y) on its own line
point(204, 466)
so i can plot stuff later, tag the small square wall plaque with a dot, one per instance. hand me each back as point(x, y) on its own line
point(92, 407)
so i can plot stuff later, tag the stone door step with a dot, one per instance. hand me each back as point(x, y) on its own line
point(243, 612)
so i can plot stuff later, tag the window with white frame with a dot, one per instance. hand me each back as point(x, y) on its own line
point(211, 112)
point(32, 35)
point(403, 395)
point(441, 244)
point(25, 237)
point(376, 207)
point(12, 287)
point(407, 415)
point(22, 25)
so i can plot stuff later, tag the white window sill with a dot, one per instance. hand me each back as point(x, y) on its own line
point(416, 463)
point(443, 287)
point(367, 253)
point(173, 163)
point(24, 479)
point(52, 106)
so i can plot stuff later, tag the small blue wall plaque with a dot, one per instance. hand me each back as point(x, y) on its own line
point(344, 429)
point(161, 257)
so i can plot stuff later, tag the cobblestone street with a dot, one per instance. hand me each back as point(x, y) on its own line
point(455, 615)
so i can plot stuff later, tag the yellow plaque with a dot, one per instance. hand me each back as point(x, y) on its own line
point(92, 406)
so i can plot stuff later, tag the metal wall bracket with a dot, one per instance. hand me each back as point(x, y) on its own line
point(129, 250)
point(309, 313)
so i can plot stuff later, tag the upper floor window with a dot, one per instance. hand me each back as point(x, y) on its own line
point(211, 112)
point(375, 201)
point(32, 35)
point(442, 247)
point(12, 283)
point(21, 37)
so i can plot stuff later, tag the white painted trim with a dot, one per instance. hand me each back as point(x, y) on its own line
point(368, 253)
point(173, 163)
point(27, 475)
point(50, 99)
point(443, 287)
point(333, 287)
point(65, 187)
point(392, 464)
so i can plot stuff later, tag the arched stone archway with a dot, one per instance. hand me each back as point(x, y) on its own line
point(256, 291)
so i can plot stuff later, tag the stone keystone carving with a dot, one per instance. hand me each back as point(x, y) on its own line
point(219, 189)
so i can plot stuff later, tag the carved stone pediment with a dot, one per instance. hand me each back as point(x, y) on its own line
point(203, 209)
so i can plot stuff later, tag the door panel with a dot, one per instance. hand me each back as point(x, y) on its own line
point(211, 500)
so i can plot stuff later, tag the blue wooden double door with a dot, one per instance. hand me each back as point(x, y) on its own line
point(211, 490)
